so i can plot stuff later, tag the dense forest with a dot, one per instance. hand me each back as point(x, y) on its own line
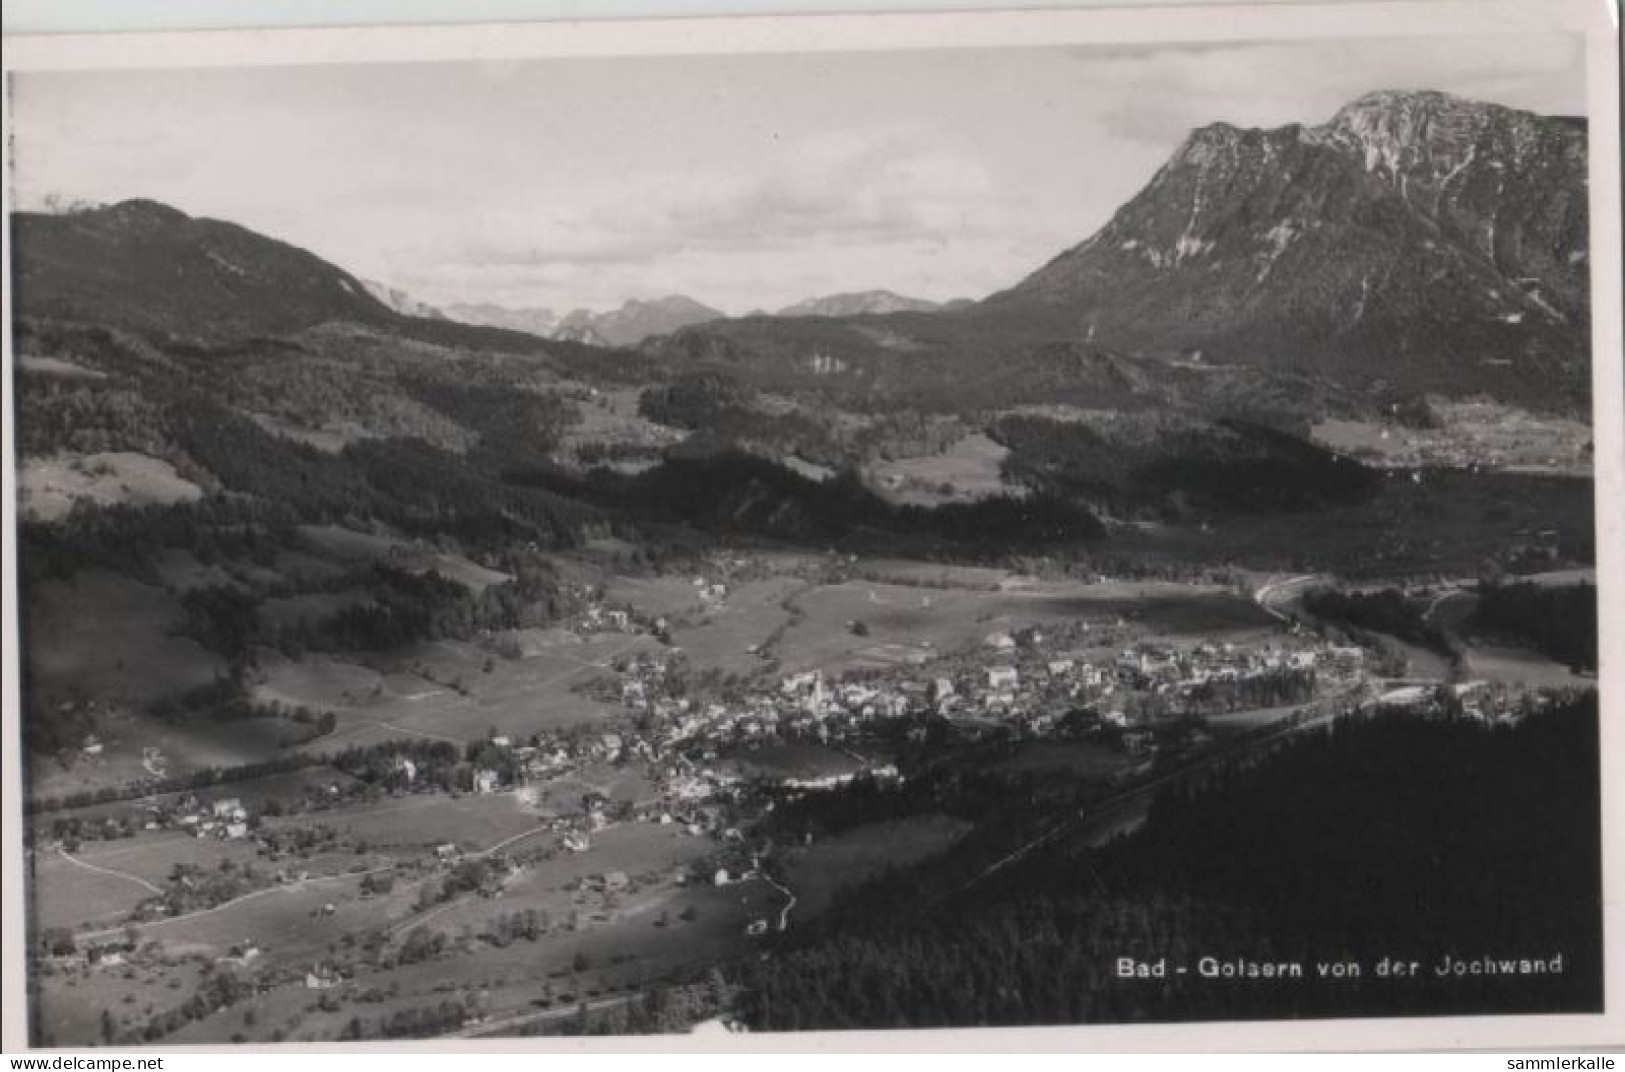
point(726, 411)
point(1558, 621)
point(1386, 611)
point(742, 493)
point(1171, 468)
point(1388, 837)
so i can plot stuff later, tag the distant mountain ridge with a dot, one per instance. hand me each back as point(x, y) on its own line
point(402, 302)
point(1415, 243)
point(859, 303)
point(629, 325)
point(536, 321)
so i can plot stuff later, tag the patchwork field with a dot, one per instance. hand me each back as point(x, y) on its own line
point(942, 621)
point(450, 690)
point(596, 944)
point(1489, 433)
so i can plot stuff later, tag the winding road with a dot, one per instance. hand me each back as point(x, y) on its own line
point(1266, 594)
point(790, 899)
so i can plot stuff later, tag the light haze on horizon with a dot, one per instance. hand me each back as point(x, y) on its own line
point(742, 181)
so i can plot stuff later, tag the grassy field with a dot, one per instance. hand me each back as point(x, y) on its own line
point(67, 895)
point(152, 855)
point(449, 690)
point(70, 1002)
point(817, 872)
point(1519, 666)
point(469, 574)
point(319, 682)
point(723, 636)
point(660, 597)
point(186, 747)
point(47, 488)
point(288, 922)
point(1502, 436)
point(966, 471)
point(473, 822)
point(100, 634)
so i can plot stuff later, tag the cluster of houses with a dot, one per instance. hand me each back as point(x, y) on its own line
point(223, 818)
point(1014, 679)
point(1479, 701)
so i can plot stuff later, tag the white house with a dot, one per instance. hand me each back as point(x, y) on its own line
point(999, 677)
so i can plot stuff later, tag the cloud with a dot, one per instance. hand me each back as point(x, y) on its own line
point(848, 189)
point(1159, 95)
point(741, 180)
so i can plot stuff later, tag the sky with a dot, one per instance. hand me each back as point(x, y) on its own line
point(742, 181)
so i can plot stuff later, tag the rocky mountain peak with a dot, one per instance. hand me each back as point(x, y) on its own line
point(1413, 236)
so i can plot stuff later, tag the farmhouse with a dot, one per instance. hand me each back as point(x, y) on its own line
point(1000, 677)
point(320, 977)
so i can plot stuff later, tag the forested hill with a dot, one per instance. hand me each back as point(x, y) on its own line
point(1385, 838)
point(149, 268)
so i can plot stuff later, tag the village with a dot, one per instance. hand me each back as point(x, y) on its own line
point(656, 815)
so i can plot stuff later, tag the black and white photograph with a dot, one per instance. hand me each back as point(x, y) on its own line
point(1032, 521)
